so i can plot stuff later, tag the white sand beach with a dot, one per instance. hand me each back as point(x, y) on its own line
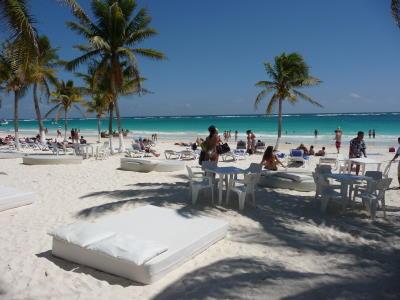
point(282, 249)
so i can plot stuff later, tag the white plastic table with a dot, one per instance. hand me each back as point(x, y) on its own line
point(347, 180)
point(224, 173)
point(364, 161)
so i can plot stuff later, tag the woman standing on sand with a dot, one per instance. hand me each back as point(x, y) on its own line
point(209, 146)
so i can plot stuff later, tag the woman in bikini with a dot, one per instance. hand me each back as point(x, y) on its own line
point(270, 161)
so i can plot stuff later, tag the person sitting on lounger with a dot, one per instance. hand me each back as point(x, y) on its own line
point(82, 140)
point(311, 152)
point(304, 148)
point(270, 161)
point(147, 148)
point(321, 152)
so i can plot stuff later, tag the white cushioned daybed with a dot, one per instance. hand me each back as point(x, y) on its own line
point(143, 244)
point(148, 165)
point(11, 198)
point(42, 159)
point(302, 182)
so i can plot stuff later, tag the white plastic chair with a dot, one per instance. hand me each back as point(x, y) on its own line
point(244, 188)
point(254, 168)
point(326, 192)
point(102, 152)
point(376, 192)
point(197, 184)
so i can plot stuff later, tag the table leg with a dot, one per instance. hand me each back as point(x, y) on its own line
point(220, 187)
point(230, 184)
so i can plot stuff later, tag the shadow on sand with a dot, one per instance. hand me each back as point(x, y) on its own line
point(288, 222)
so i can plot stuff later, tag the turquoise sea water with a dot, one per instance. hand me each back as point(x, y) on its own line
point(386, 125)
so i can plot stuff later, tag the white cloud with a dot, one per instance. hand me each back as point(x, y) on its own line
point(355, 95)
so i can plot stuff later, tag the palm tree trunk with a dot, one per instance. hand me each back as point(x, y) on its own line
point(16, 119)
point(120, 133)
point(65, 125)
point(279, 124)
point(38, 115)
point(110, 130)
point(98, 128)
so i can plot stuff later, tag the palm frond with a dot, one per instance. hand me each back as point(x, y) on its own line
point(77, 11)
point(265, 84)
point(306, 98)
point(73, 64)
point(271, 104)
point(150, 53)
point(57, 106)
point(395, 7)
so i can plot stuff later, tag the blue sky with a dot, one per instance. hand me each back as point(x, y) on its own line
point(215, 52)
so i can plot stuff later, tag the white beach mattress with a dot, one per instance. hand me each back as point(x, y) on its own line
point(11, 198)
point(287, 180)
point(184, 236)
point(51, 159)
point(148, 165)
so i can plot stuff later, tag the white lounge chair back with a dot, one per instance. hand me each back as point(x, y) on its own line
point(106, 145)
point(170, 154)
point(254, 168)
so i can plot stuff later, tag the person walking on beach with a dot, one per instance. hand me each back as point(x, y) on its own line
point(72, 135)
point(236, 135)
point(373, 133)
point(369, 133)
point(315, 133)
point(396, 156)
point(357, 148)
point(338, 139)
point(58, 133)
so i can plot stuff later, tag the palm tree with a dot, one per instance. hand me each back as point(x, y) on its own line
point(113, 39)
point(288, 73)
point(66, 97)
point(20, 25)
point(42, 73)
point(12, 79)
point(395, 6)
point(99, 105)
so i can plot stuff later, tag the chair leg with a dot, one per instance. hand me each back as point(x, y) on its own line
point(195, 194)
point(324, 204)
point(242, 199)
point(383, 207)
point(372, 208)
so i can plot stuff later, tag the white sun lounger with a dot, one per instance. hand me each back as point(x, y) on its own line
point(11, 198)
point(184, 236)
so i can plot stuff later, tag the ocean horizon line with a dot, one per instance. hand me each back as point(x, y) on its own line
point(220, 116)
